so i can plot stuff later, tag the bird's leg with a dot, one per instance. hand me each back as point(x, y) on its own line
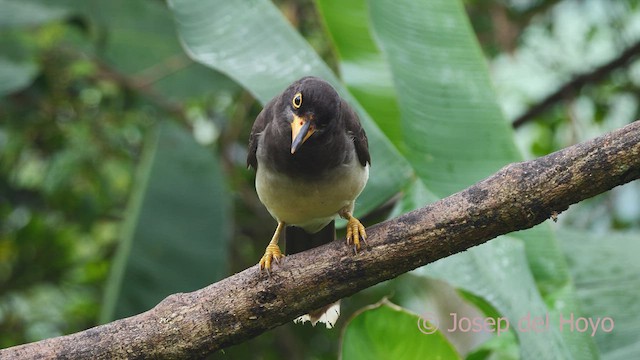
point(272, 253)
point(355, 230)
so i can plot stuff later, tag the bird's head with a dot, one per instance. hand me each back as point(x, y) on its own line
point(311, 106)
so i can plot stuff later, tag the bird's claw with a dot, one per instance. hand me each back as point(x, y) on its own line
point(272, 253)
point(355, 233)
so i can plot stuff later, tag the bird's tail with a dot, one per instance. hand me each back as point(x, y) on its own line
point(327, 314)
point(298, 240)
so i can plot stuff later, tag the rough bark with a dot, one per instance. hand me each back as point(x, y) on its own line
point(517, 197)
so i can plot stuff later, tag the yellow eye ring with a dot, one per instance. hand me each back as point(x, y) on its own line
point(297, 100)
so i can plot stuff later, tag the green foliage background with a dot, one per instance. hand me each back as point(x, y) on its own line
point(123, 128)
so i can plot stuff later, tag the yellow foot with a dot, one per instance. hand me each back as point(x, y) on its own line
point(355, 232)
point(272, 253)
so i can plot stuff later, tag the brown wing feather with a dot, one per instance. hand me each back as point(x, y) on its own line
point(352, 123)
point(262, 120)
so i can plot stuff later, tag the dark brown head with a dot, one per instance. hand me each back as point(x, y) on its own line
point(311, 106)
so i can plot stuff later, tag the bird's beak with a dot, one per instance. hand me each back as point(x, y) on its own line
point(301, 129)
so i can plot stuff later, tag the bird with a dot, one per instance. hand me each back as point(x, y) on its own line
point(311, 157)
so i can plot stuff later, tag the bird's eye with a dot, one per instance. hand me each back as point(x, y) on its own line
point(297, 100)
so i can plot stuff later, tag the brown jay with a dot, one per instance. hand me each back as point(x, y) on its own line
point(311, 157)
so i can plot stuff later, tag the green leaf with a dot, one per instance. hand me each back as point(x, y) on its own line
point(503, 347)
point(451, 120)
point(386, 331)
point(176, 234)
point(252, 43)
point(605, 269)
point(362, 67)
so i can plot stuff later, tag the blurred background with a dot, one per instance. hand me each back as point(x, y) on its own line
point(123, 176)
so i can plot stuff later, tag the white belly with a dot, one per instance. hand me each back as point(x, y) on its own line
point(313, 204)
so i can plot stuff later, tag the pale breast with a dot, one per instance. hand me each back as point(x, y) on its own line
point(311, 204)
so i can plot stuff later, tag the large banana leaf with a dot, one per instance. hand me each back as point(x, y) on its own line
point(608, 289)
point(362, 67)
point(177, 228)
point(453, 130)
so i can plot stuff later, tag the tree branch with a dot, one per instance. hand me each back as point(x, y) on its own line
point(242, 306)
point(569, 89)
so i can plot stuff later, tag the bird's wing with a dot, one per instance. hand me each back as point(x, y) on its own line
point(259, 125)
point(352, 122)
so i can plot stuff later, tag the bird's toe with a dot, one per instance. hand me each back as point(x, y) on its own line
point(271, 254)
point(355, 233)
